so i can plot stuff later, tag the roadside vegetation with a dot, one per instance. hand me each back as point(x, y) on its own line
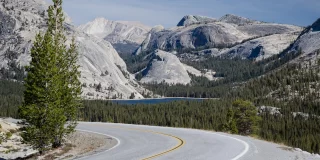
point(51, 97)
point(296, 123)
point(271, 100)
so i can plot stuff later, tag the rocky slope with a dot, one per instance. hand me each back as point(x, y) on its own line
point(166, 67)
point(11, 145)
point(309, 43)
point(261, 48)
point(99, 61)
point(237, 20)
point(124, 35)
point(191, 19)
point(194, 33)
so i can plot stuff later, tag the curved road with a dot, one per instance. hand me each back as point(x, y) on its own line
point(162, 143)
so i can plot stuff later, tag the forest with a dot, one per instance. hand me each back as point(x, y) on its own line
point(231, 73)
point(297, 124)
point(292, 89)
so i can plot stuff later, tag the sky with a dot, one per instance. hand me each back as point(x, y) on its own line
point(169, 12)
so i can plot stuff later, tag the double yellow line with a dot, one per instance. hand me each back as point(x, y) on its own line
point(181, 142)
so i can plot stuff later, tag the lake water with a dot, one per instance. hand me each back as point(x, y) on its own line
point(155, 101)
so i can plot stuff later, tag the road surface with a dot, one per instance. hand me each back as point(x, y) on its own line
point(164, 143)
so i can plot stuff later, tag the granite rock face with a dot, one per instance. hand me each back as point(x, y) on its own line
point(100, 63)
point(191, 19)
point(125, 36)
point(166, 67)
point(309, 43)
point(198, 33)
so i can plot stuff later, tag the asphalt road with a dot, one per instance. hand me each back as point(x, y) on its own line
point(163, 143)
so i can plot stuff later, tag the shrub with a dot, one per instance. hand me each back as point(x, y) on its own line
point(13, 131)
point(1, 137)
point(8, 135)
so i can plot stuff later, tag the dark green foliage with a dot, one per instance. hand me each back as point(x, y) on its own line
point(230, 71)
point(136, 63)
point(8, 135)
point(98, 87)
point(13, 71)
point(245, 117)
point(207, 114)
point(11, 96)
point(287, 88)
point(296, 131)
point(132, 96)
point(51, 97)
point(230, 125)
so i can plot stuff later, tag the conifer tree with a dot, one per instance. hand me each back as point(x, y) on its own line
point(245, 116)
point(52, 94)
point(231, 123)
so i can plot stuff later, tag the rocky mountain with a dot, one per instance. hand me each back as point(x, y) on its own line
point(196, 33)
point(309, 43)
point(126, 36)
point(103, 72)
point(166, 67)
point(261, 48)
point(237, 20)
point(191, 19)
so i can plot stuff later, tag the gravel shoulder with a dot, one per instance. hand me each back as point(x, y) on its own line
point(81, 144)
point(77, 145)
point(264, 150)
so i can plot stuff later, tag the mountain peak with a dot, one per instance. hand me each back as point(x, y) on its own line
point(116, 31)
point(193, 19)
point(316, 26)
point(231, 18)
point(100, 19)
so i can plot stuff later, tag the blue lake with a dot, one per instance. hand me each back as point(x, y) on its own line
point(155, 101)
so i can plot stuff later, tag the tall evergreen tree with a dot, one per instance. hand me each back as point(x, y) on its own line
point(246, 117)
point(52, 94)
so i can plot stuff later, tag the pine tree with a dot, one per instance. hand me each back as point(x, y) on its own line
point(52, 94)
point(245, 116)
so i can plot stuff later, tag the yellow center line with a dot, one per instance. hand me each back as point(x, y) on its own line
point(181, 142)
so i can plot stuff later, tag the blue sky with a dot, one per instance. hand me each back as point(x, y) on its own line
point(169, 12)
